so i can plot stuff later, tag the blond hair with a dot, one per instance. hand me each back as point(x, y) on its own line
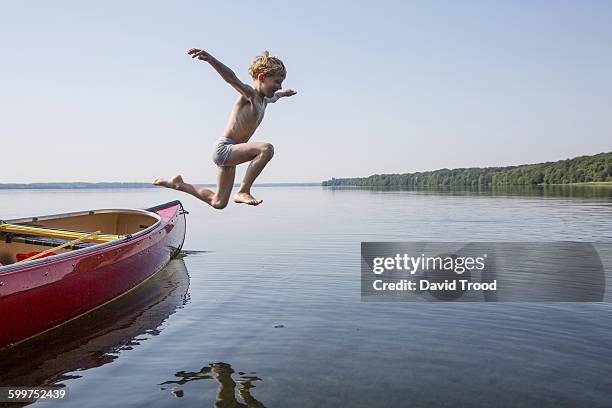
point(267, 65)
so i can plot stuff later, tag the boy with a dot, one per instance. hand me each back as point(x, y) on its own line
point(234, 147)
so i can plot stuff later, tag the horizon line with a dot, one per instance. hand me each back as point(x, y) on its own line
point(128, 184)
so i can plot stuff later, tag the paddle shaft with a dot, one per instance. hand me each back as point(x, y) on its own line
point(38, 255)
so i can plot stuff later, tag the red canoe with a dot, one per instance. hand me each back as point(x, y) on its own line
point(84, 270)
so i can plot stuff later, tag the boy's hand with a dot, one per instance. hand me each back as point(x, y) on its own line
point(199, 54)
point(289, 92)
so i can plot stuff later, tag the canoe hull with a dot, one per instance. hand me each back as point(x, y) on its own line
point(39, 297)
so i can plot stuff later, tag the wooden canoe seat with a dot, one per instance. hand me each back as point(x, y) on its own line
point(50, 242)
point(29, 230)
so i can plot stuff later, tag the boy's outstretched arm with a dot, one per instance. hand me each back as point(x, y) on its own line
point(226, 73)
point(281, 94)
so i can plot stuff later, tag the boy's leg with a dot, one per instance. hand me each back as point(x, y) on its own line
point(259, 154)
point(219, 200)
point(225, 182)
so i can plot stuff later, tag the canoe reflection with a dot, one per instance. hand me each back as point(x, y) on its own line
point(100, 336)
point(226, 386)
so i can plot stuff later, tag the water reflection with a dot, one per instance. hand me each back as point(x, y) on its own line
point(226, 386)
point(99, 337)
point(570, 191)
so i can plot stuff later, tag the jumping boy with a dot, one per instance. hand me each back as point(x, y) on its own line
point(234, 147)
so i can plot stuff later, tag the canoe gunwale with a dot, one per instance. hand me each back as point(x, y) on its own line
point(86, 212)
point(5, 269)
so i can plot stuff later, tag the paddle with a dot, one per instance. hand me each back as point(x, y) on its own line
point(38, 255)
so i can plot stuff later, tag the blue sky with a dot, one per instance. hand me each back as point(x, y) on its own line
point(103, 91)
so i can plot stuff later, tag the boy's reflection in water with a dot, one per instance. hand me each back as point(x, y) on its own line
point(226, 389)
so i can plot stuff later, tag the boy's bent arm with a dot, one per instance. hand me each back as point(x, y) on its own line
point(275, 98)
point(278, 95)
point(226, 73)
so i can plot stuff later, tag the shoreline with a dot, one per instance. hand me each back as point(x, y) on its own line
point(585, 183)
point(590, 183)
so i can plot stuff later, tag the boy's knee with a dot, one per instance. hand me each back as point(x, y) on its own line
point(267, 150)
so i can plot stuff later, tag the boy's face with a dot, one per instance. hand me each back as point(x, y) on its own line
point(270, 83)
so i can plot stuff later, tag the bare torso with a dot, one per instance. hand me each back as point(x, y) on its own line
point(245, 118)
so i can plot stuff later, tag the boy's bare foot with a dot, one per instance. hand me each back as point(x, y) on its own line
point(246, 198)
point(174, 183)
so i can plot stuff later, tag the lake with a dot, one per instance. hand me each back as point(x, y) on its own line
point(264, 308)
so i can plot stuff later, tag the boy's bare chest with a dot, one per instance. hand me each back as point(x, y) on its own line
point(252, 112)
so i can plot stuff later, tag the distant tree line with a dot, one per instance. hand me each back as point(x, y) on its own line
point(581, 169)
point(76, 185)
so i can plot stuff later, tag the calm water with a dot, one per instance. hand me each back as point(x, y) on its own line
point(264, 309)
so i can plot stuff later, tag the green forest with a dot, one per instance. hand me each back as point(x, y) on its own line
point(582, 169)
